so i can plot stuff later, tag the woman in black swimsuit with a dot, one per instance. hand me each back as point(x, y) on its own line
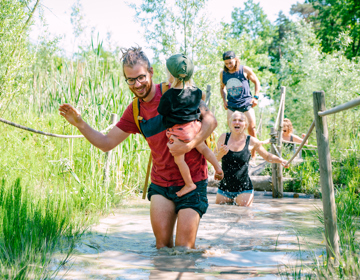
point(234, 150)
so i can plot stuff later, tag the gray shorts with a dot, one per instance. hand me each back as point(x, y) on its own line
point(196, 199)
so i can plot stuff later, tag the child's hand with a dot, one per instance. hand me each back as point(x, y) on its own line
point(303, 135)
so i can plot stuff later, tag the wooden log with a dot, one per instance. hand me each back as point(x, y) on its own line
point(348, 105)
point(327, 187)
point(260, 183)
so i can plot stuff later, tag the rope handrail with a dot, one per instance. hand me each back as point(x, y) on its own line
point(302, 143)
point(348, 105)
point(47, 133)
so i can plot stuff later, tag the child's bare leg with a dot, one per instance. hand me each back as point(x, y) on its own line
point(185, 173)
point(210, 157)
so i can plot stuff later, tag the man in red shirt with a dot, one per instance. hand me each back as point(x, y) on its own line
point(165, 206)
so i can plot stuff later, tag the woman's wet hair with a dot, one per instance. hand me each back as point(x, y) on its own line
point(288, 123)
point(133, 56)
point(237, 65)
point(233, 116)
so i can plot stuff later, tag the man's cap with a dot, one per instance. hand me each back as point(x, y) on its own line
point(180, 66)
point(228, 55)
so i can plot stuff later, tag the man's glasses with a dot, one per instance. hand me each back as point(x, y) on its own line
point(132, 81)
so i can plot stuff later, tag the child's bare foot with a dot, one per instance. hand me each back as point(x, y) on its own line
point(186, 189)
point(219, 174)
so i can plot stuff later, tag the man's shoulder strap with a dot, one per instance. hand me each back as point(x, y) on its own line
point(136, 107)
point(164, 87)
point(136, 111)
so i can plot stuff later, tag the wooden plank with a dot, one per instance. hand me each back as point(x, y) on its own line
point(327, 187)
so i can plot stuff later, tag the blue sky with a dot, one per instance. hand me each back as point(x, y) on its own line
point(117, 18)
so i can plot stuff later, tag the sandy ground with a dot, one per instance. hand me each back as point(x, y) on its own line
point(259, 242)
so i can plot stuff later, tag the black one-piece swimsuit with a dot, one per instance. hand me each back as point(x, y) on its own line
point(236, 169)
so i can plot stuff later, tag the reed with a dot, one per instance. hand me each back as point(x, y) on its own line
point(64, 191)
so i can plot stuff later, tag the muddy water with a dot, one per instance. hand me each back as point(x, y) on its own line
point(233, 243)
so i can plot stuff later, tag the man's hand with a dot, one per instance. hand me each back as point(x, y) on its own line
point(178, 148)
point(254, 102)
point(70, 114)
point(225, 105)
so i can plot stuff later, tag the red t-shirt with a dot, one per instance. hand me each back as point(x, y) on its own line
point(164, 171)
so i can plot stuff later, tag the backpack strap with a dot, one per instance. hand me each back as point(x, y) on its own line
point(164, 87)
point(136, 113)
point(137, 118)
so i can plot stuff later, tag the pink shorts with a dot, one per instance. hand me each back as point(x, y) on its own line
point(184, 132)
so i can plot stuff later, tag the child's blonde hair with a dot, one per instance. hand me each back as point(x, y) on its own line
point(177, 82)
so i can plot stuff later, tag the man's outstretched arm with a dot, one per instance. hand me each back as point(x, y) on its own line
point(208, 124)
point(99, 140)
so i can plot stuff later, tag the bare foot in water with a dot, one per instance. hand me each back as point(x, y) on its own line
point(186, 189)
point(219, 174)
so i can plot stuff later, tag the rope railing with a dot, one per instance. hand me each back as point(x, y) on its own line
point(47, 133)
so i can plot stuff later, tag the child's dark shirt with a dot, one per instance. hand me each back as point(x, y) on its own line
point(179, 108)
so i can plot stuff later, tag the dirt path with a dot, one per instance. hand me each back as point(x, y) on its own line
point(233, 243)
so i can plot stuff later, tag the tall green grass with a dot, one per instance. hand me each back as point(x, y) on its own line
point(348, 212)
point(61, 190)
point(31, 228)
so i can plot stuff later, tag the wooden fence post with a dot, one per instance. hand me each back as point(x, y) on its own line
point(273, 165)
point(279, 168)
point(113, 121)
point(276, 139)
point(327, 187)
point(208, 94)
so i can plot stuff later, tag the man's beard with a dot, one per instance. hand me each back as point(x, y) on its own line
point(148, 90)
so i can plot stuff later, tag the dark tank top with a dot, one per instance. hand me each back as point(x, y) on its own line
point(236, 169)
point(238, 89)
point(290, 146)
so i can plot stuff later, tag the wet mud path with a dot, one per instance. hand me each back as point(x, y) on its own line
point(233, 243)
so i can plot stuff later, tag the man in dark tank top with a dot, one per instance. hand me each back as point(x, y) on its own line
point(235, 90)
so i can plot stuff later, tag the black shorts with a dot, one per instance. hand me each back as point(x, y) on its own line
point(240, 109)
point(196, 199)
